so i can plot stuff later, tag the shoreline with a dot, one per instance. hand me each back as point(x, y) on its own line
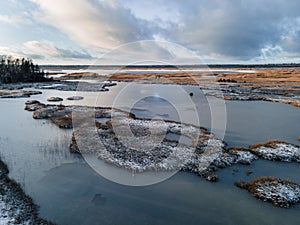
point(15, 206)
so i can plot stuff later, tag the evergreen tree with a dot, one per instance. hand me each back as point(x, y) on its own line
point(20, 70)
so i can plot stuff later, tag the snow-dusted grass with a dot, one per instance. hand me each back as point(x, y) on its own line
point(281, 193)
point(277, 150)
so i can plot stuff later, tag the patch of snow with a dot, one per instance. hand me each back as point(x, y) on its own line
point(281, 152)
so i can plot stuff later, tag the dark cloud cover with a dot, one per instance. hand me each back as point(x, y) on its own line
point(218, 29)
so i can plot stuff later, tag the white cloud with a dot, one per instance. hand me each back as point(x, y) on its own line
point(102, 24)
point(42, 48)
point(46, 52)
point(6, 19)
point(149, 52)
point(271, 51)
point(15, 19)
point(45, 48)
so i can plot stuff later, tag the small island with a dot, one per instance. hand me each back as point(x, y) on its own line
point(281, 193)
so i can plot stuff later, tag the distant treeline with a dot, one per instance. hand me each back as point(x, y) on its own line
point(13, 70)
point(221, 66)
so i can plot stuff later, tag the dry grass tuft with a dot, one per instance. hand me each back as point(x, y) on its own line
point(64, 121)
point(233, 150)
point(241, 184)
point(271, 144)
point(296, 104)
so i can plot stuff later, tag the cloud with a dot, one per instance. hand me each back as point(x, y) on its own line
point(46, 52)
point(101, 24)
point(107, 26)
point(290, 38)
point(216, 30)
point(48, 49)
point(149, 52)
point(14, 19)
point(236, 30)
point(14, 12)
point(6, 19)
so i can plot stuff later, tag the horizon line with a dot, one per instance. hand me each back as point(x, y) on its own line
point(178, 65)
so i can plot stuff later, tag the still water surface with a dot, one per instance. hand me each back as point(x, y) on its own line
point(70, 192)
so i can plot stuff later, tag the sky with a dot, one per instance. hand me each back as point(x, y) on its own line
point(167, 31)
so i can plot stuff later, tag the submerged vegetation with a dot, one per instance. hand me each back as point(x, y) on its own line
point(13, 70)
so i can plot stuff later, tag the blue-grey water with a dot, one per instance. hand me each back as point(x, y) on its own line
point(70, 192)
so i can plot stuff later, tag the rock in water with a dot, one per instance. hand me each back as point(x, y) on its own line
point(31, 102)
point(75, 98)
point(55, 99)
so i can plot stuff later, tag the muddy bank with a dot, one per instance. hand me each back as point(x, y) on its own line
point(15, 206)
point(281, 193)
